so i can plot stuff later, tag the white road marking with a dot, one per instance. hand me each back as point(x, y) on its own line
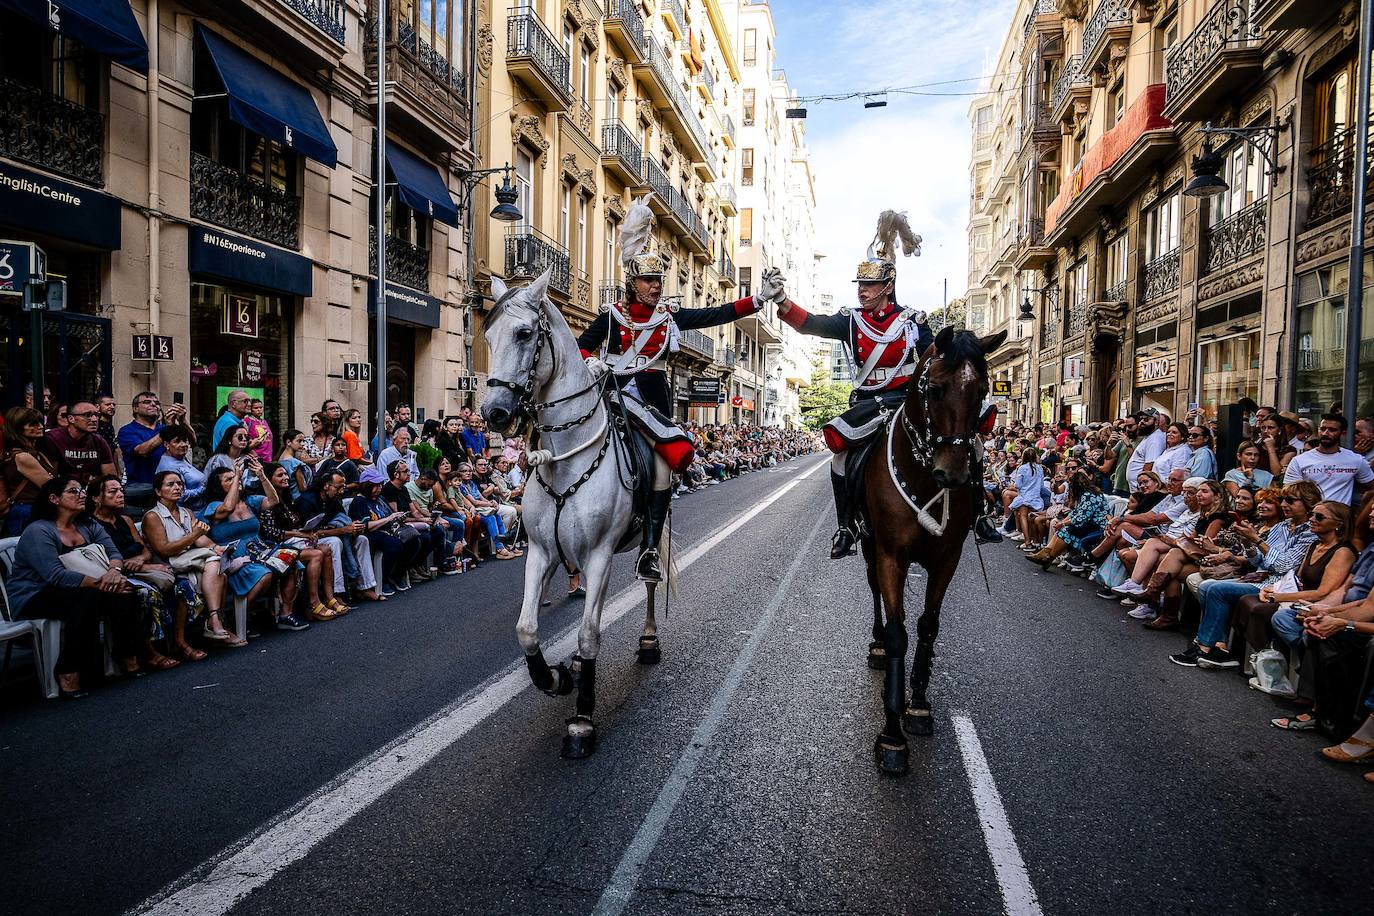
point(1018, 895)
point(214, 887)
point(622, 885)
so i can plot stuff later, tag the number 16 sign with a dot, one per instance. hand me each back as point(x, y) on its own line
point(241, 316)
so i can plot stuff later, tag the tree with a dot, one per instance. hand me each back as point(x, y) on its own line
point(823, 401)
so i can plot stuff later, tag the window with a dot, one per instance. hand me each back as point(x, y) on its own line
point(404, 223)
point(565, 217)
point(1161, 227)
point(1116, 104)
point(746, 166)
point(524, 184)
point(746, 282)
point(568, 49)
point(1165, 38)
point(612, 101)
point(612, 267)
point(748, 107)
point(584, 76)
point(584, 241)
point(1246, 179)
point(216, 137)
point(1077, 299)
point(746, 226)
point(1117, 264)
point(751, 47)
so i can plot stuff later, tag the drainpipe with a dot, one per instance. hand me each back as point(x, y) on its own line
point(154, 176)
point(1354, 324)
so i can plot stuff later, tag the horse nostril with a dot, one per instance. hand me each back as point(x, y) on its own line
point(498, 416)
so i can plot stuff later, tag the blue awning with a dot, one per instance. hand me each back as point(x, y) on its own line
point(268, 103)
point(421, 185)
point(105, 26)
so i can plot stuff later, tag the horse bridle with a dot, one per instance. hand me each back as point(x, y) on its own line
point(923, 443)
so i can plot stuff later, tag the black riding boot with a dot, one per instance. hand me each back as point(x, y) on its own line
point(842, 544)
point(983, 528)
point(649, 568)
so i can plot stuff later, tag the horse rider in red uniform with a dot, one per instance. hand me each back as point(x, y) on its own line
point(632, 339)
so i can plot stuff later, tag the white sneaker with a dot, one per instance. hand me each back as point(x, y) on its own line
point(1129, 587)
point(1143, 612)
point(1016, 536)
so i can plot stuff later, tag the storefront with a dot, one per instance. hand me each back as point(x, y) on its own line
point(410, 317)
point(245, 296)
point(1156, 375)
point(1318, 376)
point(1049, 393)
point(76, 227)
point(1071, 390)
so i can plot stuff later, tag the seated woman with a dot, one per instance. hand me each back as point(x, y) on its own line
point(154, 582)
point(1081, 527)
point(297, 470)
point(233, 454)
point(24, 467)
point(40, 586)
point(1359, 747)
point(485, 509)
point(233, 520)
point(353, 563)
point(1283, 549)
point(283, 523)
point(176, 441)
point(1026, 497)
point(400, 545)
point(1247, 474)
point(183, 542)
point(1165, 562)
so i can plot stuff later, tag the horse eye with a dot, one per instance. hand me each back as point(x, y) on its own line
point(524, 334)
point(936, 392)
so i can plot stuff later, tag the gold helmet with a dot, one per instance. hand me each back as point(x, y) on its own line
point(880, 266)
point(645, 265)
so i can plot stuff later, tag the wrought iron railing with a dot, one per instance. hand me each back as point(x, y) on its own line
point(1107, 14)
point(1077, 317)
point(1331, 177)
point(229, 198)
point(1038, 8)
point(1068, 78)
point(708, 79)
point(1237, 237)
point(1117, 291)
point(1161, 276)
point(617, 141)
point(1226, 26)
point(526, 36)
point(529, 253)
point(658, 62)
point(610, 293)
point(700, 232)
point(627, 13)
point(325, 15)
point(1050, 321)
point(674, 8)
point(728, 127)
point(699, 342)
point(407, 264)
point(656, 179)
point(416, 51)
point(51, 132)
point(1031, 232)
point(726, 267)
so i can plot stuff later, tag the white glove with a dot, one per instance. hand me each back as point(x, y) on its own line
point(772, 288)
point(597, 366)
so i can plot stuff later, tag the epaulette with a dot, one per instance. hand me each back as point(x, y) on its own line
point(844, 311)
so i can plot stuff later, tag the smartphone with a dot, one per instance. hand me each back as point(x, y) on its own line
point(1238, 517)
point(178, 397)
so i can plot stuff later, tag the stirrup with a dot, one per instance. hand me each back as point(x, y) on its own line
point(842, 544)
point(647, 567)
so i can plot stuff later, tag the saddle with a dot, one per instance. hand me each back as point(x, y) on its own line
point(861, 428)
point(639, 428)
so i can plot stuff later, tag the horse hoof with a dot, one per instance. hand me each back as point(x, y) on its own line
point(649, 651)
point(580, 741)
point(877, 656)
point(563, 681)
point(890, 757)
point(918, 722)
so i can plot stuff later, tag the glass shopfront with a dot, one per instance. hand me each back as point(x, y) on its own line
point(1319, 375)
point(240, 338)
point(1230, 371)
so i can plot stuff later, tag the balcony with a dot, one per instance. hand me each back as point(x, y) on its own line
point(625, 29)
point(1115, 164)
point(726, 269)
point(698, 344)
point(664, 90)
point(429, 90)
point(1049, 332)
point(1077, 319)
point(1039, 128)
point(1161, 277)
point(1072, 91)
point(325, 15)
point(1031, 251)
point(727, 130)
point(674, 17)
point(1237, 237)
point(1331, 178)
point(1043, 16)
point(730, 358)
point(610, 294)
point(407, 264)
point(706, 84)
point(699, 238)
point(729, 203)
point(1117, 292)
point(536, 58)
point(620, 154)
point(228, 198)
point(1220, 55)
point(52, 133)
point(1110, 24)
point(529, 253)
point(1292, 14)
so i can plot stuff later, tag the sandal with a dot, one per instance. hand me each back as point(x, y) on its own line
point(190, 654)
point(504, 554)
point(220, 635)
point(1295, 723)
point(1337, 754)
point(322, 613)
point(337, 606)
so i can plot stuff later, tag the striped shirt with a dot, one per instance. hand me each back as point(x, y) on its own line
point(1288, 545)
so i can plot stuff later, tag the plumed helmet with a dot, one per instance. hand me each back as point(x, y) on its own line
point(880, 266)
point(635, 232)
point(645, 265)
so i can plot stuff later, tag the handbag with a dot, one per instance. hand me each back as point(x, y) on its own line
point(160, 579)
point(192, 560)
point(1112, 572)
point(89, 559)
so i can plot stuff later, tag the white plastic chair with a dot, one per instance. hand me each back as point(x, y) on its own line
point(46, 634)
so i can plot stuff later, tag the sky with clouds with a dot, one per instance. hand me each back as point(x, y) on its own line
point(912, 155)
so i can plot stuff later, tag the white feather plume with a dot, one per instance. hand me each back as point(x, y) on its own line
point(893, 226)
point(635, 229)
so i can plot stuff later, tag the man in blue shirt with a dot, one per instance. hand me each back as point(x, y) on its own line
point(141, 442)
point(233, 415)
point(474, 438)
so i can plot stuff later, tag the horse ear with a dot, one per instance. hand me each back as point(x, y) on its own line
point(540, 286)
point(990, 343)
point(498, 288)
point(944, 338)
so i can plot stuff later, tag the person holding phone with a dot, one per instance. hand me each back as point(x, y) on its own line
point(140, 440)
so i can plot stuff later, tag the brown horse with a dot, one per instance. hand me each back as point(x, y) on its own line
point(919, 503)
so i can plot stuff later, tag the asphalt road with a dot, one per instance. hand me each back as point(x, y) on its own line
point(395, 760)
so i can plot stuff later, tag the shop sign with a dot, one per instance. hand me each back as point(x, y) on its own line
point(704, 392)
point(21, 263)
point(406, 305)
point(250, 366)
point(1001, 388)
point(467, 383)
point(240, 316)
point(152, 346)
point(233, 257)
point(741, 402)
point(58, 208)
point(1154, 370)
point(357, 372)
point(1073, 368)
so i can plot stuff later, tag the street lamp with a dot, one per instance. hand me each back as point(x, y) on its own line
point(1208, 163)
point(1028, 310)
point(505, 210)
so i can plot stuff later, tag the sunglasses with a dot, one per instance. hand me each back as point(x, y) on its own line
point(1196, 436)
point(1320, 517)
point(1291, 499)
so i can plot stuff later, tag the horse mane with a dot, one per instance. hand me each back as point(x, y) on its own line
point(962, 347)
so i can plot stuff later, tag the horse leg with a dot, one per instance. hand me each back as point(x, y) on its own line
point(877, 654)
point(919, 718)
point(539, 568)
point(580, 740)
point(890, 748)
point(649, 651)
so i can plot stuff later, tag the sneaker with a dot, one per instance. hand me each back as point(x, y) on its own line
point(387, 590)
point(1143, 612)
point(1016, 536)
point(1077, 567)
point(1218, 659)
point(1107, 594)
point(451, 567)
point(399, 585)
point(1129, 587)
point(1190, 657)
point(291, 622)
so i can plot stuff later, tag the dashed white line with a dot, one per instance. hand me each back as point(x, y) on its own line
point(1018, 895)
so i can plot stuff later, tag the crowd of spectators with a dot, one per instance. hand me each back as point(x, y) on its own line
point(1261, 549)
point(155, 526)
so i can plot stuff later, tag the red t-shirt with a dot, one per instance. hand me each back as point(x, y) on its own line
point(82, 458)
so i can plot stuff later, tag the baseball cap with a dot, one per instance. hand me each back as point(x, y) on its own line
point(371, 475)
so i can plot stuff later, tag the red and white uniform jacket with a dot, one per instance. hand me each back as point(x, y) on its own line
point(896, 333)
point(618, 337)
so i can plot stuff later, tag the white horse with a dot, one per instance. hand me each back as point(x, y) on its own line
point(579, 508)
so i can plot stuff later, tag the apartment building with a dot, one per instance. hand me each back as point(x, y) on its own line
point(1152, 297)
point(203, 172)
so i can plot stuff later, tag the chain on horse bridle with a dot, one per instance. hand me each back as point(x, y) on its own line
point(923, 443)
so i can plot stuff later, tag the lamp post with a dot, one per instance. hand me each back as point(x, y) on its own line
point(1208, 163)
point(379, 309)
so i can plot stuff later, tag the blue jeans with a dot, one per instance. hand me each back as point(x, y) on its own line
point(1218, 597)
point(1288, 628)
